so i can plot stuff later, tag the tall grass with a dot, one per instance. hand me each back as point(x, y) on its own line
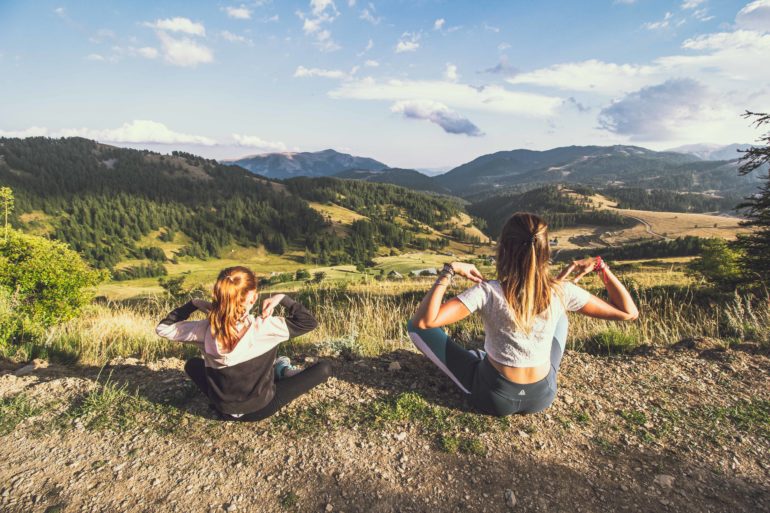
point(370, 319)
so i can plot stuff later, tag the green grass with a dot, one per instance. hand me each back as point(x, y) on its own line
point(109, 406)
point(613, 341)
point(288, 500)
point(14, 410)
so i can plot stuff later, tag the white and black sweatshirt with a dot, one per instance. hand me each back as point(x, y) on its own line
point(240, 381)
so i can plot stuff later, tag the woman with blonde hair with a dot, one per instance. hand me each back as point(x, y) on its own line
point(525, 320)
point(239, 371)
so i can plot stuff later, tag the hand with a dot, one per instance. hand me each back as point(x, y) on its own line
point(202, 305)
point(583, 267)
point(269, 304)
point(467, 270)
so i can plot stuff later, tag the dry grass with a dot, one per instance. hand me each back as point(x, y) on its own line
point(369, 319)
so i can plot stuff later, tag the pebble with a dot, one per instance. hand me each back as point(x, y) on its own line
point(401, 436)
point(394, 366)
point(664, 480)
point(230, 507)
point(510, 498)
point(329, 508)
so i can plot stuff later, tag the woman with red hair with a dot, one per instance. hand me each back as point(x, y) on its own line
point(239, 371)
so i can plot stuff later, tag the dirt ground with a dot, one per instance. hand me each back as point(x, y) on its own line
point(669, 430)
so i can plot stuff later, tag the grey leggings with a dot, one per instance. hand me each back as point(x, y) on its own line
point(488, 390)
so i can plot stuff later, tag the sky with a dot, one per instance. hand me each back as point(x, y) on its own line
point(411, 83)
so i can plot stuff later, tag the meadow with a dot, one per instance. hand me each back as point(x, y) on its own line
point(361, 316)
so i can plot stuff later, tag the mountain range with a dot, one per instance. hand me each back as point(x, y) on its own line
point(688, 169)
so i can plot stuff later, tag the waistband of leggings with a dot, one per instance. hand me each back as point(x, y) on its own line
point(500, 384)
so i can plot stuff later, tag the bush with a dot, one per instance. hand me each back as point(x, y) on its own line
point(44, 281)
point(718, 264)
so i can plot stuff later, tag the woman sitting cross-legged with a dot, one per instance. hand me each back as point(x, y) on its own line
point(525, 320)
point(239, 371)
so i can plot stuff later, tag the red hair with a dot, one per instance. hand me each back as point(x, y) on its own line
point(230, 290)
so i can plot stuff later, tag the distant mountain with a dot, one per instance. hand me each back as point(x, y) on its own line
point(629, 166)
point(408, 178)
point(433, 171)
point(713, 151)
point(320, 163)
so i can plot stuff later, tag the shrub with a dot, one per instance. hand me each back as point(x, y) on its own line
point(44, 281)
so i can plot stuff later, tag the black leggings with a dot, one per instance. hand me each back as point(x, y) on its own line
point(286, 390)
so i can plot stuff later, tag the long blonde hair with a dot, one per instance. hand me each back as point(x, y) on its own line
point(230, 290)
point(523, 253)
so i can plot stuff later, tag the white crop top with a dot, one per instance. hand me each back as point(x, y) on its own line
point(502, 341)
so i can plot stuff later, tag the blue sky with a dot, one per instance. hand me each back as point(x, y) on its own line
point(411, 83)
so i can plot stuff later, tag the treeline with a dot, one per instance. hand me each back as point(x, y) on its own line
point(104, 199)
point(668, 201)
point(552, 203)
point(681, 246)
point(151, 270)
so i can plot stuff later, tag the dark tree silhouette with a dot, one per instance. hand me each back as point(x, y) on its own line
point(756, 245)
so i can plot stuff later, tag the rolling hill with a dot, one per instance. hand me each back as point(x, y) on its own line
point(320, 163)
point(408, 178)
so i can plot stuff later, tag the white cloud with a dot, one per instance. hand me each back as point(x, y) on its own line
point(253, 141)
point(33, 131)
point(755, 16)
point(692, 4)
point(491, 98)
point(235, 38)
point(503, 46)
point(184, 52)
point(371, 63)
point(60, 11)
point(369, 14)
point(303, 72)
point(450, 73)
point(657, 112)
point(323, 12)
point(102, 35)
point(439, 24)
point(491, 28)
point(658, 25)
point(409, 42)
point(624, 2)
point(147, 52)
point(438, 113)
point(178, 24)
point(137, 131)
point(94, 57)
point(239, 13)
point(590, 75)
point(318, 7)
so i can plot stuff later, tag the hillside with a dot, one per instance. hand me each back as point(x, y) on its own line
point(145, 213)
point(628, 166)
point(320, 163)
point(408, 178)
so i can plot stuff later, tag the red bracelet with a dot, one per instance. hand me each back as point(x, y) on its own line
point(602, 267)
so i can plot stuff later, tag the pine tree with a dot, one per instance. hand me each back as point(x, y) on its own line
point(756, 245)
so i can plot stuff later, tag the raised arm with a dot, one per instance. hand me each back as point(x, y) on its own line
point(432, 313)
point(621, 305)
point(298, 319)
point(176, 327)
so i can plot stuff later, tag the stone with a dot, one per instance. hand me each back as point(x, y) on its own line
point(394, 366)
point(510, 498)
point(229, 507)
point(401, 436)
point(664, 480)
point(329, 508)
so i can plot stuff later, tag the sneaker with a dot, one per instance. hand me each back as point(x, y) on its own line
point(284, 368)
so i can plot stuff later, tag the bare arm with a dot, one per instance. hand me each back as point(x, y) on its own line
point(432, 313)
point(620, 307)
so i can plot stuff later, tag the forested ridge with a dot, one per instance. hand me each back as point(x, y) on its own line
point(552, 202)
point(102, 200)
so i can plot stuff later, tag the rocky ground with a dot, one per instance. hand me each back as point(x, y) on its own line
point(680, 429)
